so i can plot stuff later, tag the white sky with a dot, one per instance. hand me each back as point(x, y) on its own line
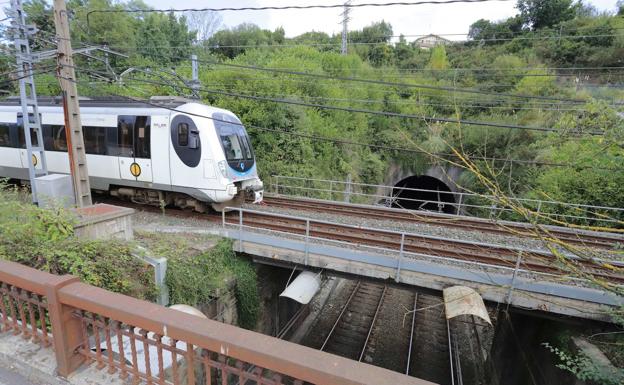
point(407, 20)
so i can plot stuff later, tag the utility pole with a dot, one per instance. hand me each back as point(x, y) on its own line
point(195, 81)
point(345, 21)
point(73, 125)
point(31, 120)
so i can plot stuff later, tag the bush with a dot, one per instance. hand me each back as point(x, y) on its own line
point(197, 269)
point(42, 239)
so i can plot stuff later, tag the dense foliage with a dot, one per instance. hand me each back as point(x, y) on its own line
point(556, 51)
point(544, 51)
point(197, 270)
point(42, 238)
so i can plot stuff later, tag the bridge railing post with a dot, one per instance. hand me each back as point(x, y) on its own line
point(307, 241)
point(459, 203)
point(240, 230)
point(513, 278)
point(398, 272)
point(66, 329)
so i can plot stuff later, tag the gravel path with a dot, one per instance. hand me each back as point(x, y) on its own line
point(9, 377)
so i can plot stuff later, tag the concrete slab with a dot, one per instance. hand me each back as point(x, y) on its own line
point(103, 221)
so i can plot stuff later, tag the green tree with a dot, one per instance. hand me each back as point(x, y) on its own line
point(378, 32)
point(235, 41)
point(438, 60)
point(593, 181)
point(490, 31)
point(538, 14)
point(39, 13)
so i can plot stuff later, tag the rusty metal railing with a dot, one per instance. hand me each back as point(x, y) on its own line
point(147, 343)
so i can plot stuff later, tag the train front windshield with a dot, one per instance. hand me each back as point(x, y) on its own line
point(235, 142)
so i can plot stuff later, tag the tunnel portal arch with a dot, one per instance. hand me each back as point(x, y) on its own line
point(438, 196)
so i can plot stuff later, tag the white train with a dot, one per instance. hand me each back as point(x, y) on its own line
point(179, 152)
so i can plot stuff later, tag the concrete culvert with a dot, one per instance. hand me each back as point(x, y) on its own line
point(438, 198)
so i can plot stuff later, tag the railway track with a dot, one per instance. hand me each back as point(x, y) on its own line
point(492, 255)
point(428, 355)
point(367, 325)
point(592, 239)
point(352, 330)
point(429, 246)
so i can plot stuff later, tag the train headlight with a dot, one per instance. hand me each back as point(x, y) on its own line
point(223, 168)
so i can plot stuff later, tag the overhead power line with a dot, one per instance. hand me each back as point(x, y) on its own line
point(377, 43)
point(387, 83)
point(36, 72)
point(353, 110)
point(499, 97)
point(293, 7)
point(373, 146)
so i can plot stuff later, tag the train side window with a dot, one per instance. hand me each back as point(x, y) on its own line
point(20, 132)
point(54, 138)
point(183, 134)
point(125, 135)
point(5, 135)
point(142, 137)
point(95, 140)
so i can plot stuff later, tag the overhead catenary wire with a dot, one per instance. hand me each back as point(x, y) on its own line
point(301, 81)
point(382, 82)
point(356, 43)
point(356, 110)
point(521, 71)
point(291, 7)
point(373, 112)
point(35, 72)
point(369, 145)
point(385, 83)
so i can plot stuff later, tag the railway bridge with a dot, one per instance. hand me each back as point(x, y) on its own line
point(398, 246)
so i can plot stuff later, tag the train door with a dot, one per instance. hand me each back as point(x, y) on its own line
point(133, 141)
point(186, 153)
point(10, 162)
point(22, 142)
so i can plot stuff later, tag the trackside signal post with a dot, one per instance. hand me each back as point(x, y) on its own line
point(73, 125)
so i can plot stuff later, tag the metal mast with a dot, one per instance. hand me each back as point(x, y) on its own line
point(345, 21)
point(73, 125)
point(195, 85)
point(37, 165)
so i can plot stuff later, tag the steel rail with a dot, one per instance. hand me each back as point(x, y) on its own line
point(219, 219)
point(448, 333)
point(474, 258)
point(493, 255)
point(291, 322)
point(411, 341)
point(370, 330)
point(458, 206)
point(460, 377)
point(581, 238)
point(355, 289)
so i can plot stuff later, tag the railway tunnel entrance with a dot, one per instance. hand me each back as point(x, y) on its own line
point(423, 192)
